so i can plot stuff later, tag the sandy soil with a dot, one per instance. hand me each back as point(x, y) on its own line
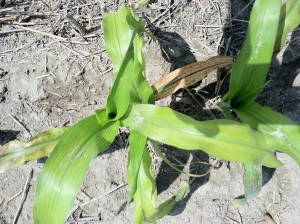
point(47, 83)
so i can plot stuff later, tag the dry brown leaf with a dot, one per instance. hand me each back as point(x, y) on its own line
point(188, 75)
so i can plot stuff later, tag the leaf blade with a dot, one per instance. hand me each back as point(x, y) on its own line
point(239, 142)
point(146, 192)
point(251, 66)
point(169, 205)
point(188, 75)
point(124, 44)
point(137, 144)
point(66, 168)
point(289, 20)
point(280, 131)
point(15, 153)
point(252, 182)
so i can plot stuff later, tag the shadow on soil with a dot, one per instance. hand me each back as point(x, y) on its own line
point(7, 136)
point(281, 93)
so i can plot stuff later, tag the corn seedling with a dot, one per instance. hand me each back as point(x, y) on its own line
point(131, 103)
point(270, 22)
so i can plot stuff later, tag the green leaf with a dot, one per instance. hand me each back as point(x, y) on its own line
point(251, 66)
point(67, 166)
point(169, 205)
point(138, 213)
point(117, 37)
point(146, 192)
point(124, 45)
point(289, 20)
point(144, 2)
point(137, 144)
point(225, 139)
point(15, 153)
point(140, 91)
point(252, 182)
point(281, 132)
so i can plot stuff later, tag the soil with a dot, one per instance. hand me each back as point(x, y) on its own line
point(47, 83)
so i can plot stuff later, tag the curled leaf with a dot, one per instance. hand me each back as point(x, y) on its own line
point(137, 144)
point(146, 192)
point(123, 42)
point(188, 75)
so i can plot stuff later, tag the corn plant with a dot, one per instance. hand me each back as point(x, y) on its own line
point(269, 25)
point(131, 103)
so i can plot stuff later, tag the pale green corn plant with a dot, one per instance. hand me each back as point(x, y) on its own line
point(269, 25)
point(131, 104)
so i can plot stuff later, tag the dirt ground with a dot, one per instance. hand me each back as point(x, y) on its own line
point(46, 82)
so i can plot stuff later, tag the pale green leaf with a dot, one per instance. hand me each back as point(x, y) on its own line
point(252, 182)
point(117, 37)
point(15, 153)
point(225, 139)
point(67, 166)
point(281, 132)
point(124, 45)
point(289, 20)
point(144, 2)
point(140, 91)
point(251, 66)
point(146, 192)
point(138, 213)
point(169, 205)
point(137, 144)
